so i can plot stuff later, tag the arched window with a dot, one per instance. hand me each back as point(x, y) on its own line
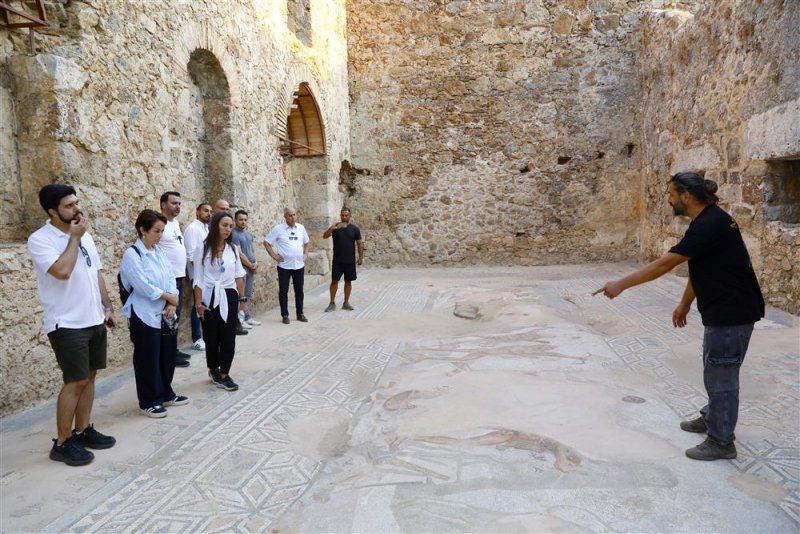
point(306, 133)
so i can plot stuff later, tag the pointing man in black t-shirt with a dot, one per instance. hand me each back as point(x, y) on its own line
point(346, 239)
point(728, 297)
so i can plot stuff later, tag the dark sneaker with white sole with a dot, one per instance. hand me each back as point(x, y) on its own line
point(346, 306)
point(178, 400)
point(331, 307)
point(156, 412)
point(214, 375)
point(70, 452)
point(709, 450)
point(92, 439)
point(695, 425)
point(227, 384)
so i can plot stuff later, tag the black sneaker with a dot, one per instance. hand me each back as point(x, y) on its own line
point(181, 362)
point(156, 412)
point(184, 355)
point(70, 452)
point(709, 450)
point(302, 318)
point(92, 439)
point(227, 384)
point(178, 400)
point(240, 331)
point(695, 425)
point(214, 375)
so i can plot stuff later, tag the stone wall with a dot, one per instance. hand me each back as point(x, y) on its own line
point(722, 96)
point(127, 103)
point(494, 132)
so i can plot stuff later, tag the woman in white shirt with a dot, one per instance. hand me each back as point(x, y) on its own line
point(218, 284)
point(147, 274)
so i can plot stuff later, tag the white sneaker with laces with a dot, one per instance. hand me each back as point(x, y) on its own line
point(199, 344)
point(253, 322)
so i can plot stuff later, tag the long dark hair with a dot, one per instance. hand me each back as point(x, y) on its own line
point(214, 233)
point(697, 186)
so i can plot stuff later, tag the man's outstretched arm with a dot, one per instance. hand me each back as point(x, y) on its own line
point(649, 272)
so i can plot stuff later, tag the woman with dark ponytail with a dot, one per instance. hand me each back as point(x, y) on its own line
point(729, 300)
point(218, 285)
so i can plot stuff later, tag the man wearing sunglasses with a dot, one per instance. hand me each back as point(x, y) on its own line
point(291, 241)
point(76, 311)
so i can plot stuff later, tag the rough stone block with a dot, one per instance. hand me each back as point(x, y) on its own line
point(774, 134)
point(317, 263)
point(698, 158)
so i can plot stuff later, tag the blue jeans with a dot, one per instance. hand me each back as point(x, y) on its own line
point(724, 348)
point(248, 290)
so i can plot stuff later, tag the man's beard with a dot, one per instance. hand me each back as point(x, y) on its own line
point(68, 221)
point(679, 209)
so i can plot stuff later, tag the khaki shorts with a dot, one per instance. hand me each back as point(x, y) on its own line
point(79, 349)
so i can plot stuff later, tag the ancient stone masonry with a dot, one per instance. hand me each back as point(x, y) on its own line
point(126, 103)
point(722, 96)
point(495, 132)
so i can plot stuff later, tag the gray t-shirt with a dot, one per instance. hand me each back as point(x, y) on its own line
point(244, 240)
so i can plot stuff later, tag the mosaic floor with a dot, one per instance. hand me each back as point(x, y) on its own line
point(534, 408)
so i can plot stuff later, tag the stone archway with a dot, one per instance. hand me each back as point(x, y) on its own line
point(212, 111)
point(304, 148)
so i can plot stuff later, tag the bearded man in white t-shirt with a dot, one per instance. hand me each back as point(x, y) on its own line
point(193, 238)
point(76, 312)
point(172, 245)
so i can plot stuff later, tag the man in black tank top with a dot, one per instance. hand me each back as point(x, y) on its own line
point(729, 300)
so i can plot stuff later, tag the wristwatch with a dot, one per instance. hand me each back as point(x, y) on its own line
point(242, 299)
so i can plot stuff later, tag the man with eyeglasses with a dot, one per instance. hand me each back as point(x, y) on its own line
point(291, 241)
point(77, 310)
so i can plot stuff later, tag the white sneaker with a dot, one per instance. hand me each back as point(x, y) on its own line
point(253, 322)
point(199, 344)
point(243, 322)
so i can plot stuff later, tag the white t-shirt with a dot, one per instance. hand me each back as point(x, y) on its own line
point(74, 302)
point(172, 245)
point(289, 243)
point(193, 237)
point(216, 276)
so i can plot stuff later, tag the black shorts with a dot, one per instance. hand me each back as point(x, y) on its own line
point(79, 350)
point(346, 269)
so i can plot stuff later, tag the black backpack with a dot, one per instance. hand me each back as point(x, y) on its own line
point(124, 293)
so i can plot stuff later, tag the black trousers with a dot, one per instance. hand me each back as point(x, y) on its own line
point(153, 362)
point(297, 276)
point(220, 334)
point(179, 283)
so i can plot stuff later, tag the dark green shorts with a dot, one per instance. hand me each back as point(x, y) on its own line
point(79, 349)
